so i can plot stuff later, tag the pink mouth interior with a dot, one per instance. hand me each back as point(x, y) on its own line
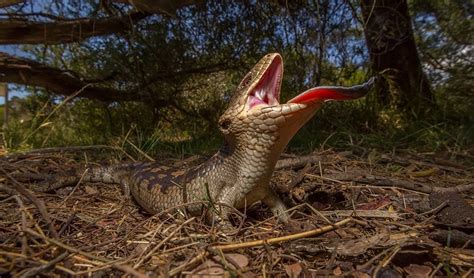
point(267, 91)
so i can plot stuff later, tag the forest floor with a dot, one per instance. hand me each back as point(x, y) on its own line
point(369, 214)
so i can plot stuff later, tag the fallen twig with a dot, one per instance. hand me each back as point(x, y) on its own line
point(362, 213)
point(276, 240)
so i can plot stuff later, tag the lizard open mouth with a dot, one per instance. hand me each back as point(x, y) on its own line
point(266, 91)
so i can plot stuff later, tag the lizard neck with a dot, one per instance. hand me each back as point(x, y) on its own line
point(251, 164)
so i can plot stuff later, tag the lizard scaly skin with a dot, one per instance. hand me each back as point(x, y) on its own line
point(256, 128)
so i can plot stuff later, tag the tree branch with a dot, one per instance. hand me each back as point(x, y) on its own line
point(28, 32)
point(28, 72)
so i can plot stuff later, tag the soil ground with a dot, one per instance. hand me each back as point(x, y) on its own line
point(372, 215)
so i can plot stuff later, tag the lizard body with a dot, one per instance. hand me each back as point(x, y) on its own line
point(256, 128)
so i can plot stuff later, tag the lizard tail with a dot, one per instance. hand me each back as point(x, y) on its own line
point(103, 174)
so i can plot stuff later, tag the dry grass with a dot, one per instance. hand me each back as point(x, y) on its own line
point(95, 230)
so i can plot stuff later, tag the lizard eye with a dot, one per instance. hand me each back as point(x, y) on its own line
point(246, 80)
point(225, 124)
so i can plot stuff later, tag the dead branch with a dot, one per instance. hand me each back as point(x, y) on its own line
point(298, 162)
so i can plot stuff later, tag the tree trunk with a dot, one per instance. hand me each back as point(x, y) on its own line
point(389, 36)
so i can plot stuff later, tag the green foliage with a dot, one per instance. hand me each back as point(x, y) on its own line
point(348, 124)
point(445, 35)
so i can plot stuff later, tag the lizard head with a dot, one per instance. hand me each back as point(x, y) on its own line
point(256, 121)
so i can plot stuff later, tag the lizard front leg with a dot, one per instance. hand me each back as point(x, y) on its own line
point(233, 197)
point(225, 204)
